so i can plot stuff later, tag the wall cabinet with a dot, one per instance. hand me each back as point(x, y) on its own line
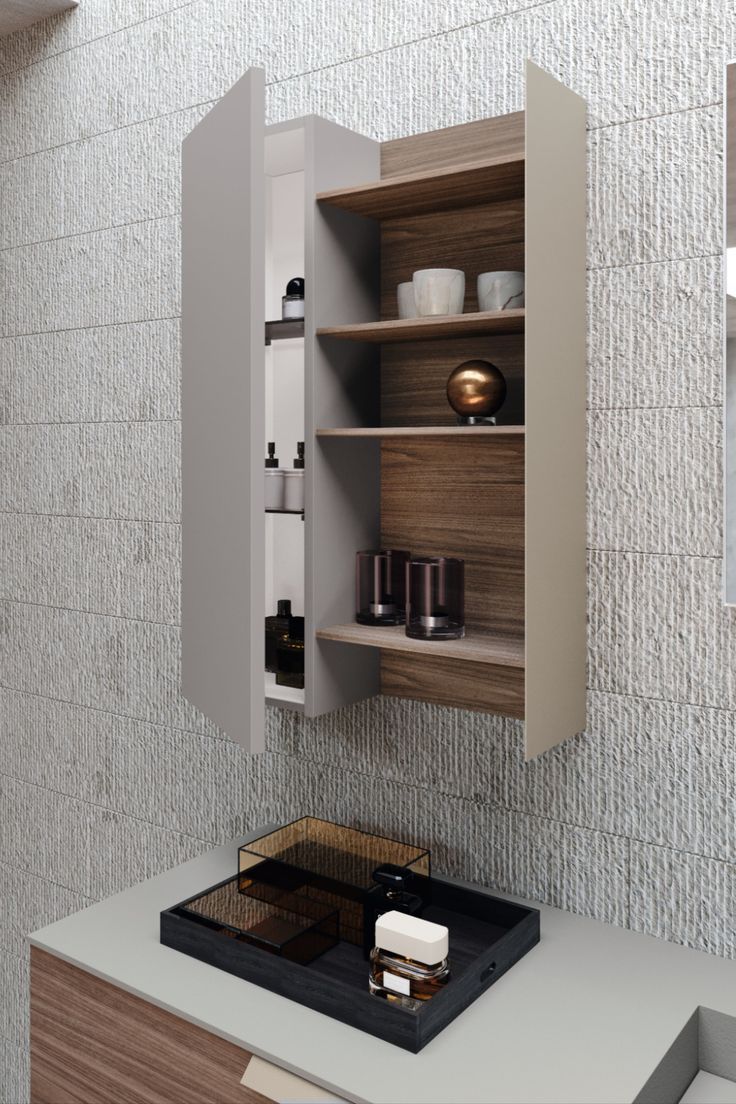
point(386, 462)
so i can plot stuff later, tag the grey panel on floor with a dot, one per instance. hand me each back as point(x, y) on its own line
point(706, 1088)
point(676, 1070)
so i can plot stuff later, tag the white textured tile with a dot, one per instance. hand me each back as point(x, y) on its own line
point(128, 274)
point(126, 667)
point(658, 629)
point(93, 852)
point(654, 481)
point(389, 55)
point(571, 868)
point(416, 743)
point(195, 784)
point(643, 205)
point(684, 898)
point(654, 771)
point(127, 471)
point(92, 19)
point(29, 903)
point(129, 569)
point(655, 335)
point(105, 374)
point(119, 177)
point(14, 1013)
point(14, 1073)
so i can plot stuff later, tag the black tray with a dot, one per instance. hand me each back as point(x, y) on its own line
point(487, 936)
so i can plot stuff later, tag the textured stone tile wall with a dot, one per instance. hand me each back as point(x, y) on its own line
point(106, 774)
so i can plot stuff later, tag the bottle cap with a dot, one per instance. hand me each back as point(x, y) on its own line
point(299, 461)
point(283, 607)
point(272, 461)
point(391, 876)
point(296, 287)
point(410, 937)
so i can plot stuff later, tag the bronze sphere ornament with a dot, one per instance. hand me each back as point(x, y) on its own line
point(476, 389)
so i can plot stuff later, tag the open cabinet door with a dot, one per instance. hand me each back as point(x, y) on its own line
point(554, 398)
point(223, 314)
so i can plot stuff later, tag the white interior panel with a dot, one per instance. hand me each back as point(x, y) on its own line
point(284, 378)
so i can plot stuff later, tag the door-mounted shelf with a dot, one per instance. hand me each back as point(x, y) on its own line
point(281, 329)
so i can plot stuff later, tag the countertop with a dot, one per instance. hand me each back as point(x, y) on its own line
point(586, 1016)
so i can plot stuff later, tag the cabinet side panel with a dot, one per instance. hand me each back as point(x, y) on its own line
point(342, 499)
point(223, 312)
point(555, 412)
point(729, 322)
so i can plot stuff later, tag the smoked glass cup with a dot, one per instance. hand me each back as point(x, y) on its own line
point(435, 598)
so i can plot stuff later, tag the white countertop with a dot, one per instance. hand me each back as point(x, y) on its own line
point(585, 1016)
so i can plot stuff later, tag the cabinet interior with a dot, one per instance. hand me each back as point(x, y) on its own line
point(455, 491)
point(284, 373)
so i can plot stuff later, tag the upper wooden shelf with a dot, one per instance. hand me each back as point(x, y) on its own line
point(440, 189)
point(475, 647)
point(481, 323)
point(425, 431)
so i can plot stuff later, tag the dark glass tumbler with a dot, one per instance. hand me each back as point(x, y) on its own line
point(435, 598)
point(380, 581)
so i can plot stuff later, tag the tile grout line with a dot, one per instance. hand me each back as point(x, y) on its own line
point(525, 7)
point(43, 879)
point(4, 73)
point(132, 421)
point(94, 326)
point(106, 809)
point(174, 214)
point(90, 613)
point(90, 517)
point(129, 717)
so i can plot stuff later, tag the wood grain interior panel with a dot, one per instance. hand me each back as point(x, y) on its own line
point(503, 135)
point(455, 683)
point(485, 238)
point(462, 497)
point(92, 1043)
point(414, 378)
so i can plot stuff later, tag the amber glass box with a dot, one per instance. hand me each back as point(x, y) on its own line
point(329, 863)
point(266, 915)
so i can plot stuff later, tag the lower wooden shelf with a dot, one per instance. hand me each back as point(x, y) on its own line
point(475, 647)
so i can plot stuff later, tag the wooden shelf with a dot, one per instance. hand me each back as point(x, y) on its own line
point(283, 328)
point(486, 648)
point(425, 431)
point(481, 323)
point(463, 185)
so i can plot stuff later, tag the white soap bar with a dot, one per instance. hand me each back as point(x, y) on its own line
point(409, 936)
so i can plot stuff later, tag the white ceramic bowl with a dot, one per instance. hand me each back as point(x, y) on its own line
point(439, 291)
point(500, 291)
point(405, 299)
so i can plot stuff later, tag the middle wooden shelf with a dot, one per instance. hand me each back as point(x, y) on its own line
point(394, 330)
